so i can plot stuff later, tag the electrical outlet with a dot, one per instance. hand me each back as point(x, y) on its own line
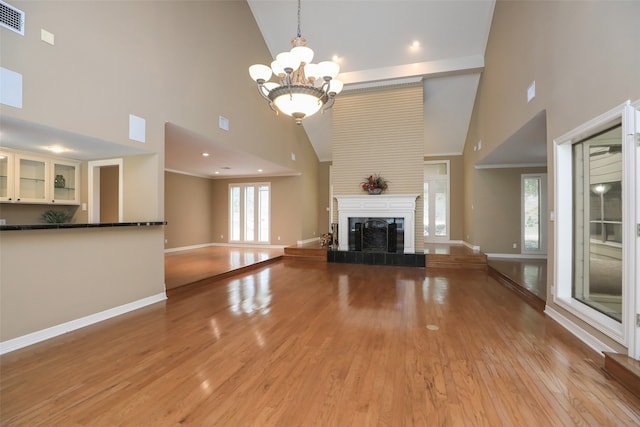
point(515, 245)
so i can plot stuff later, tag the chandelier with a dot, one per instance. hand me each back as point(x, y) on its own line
point(302, 88)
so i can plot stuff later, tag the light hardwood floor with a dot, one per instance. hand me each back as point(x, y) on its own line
point(298, 343)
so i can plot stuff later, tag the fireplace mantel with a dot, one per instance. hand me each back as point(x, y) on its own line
point(381, 205)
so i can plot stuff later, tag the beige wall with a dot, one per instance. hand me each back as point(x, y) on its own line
point(159, 60)
point(198, 210)
point(499, 206)
point(583, 58)
point(580, 62)
point(187, 210)
point(50, 277)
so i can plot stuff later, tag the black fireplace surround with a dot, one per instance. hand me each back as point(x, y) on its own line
point(376, 234)
point(376, 241)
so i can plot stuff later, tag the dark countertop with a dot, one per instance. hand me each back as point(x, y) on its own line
point(71, 225)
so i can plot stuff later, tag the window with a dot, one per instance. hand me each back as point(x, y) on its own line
point(436, 201)
point(597, 222)
point(534, 230)
point(596, 242)
point(249, 213)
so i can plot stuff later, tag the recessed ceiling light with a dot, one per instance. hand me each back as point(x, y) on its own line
point(217, 172)
point(415, 44)
point(259, 170)
point(56, 149)
point(205, 154)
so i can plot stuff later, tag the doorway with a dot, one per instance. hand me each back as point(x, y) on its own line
point(106, 190)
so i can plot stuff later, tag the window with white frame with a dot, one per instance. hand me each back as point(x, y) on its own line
point(596, 194)
point(249, 212)
point(534, 197)
point(436, 201)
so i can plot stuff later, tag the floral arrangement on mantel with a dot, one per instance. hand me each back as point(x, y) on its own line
point(374, 184)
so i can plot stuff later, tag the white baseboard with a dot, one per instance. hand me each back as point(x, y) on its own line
point(576, 330)
point(517, 256)
point(248, 245)
point(54, 331)
point(187, 248)
point(305, 241)
point(224, 245)
point(470, 246)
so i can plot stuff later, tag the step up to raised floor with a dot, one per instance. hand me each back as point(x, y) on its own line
point(306, 252)
point(470, 261)
point(624, 369)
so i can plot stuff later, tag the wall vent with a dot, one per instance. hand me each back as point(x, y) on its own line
point(11, 18)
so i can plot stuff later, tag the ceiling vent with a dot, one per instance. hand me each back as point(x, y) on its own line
point(11, 18)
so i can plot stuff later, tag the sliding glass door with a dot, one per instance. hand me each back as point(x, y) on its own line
point(597, 222)
point(597, 227)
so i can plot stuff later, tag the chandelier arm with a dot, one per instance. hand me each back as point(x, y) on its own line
point(329, 103)
point(260, 86)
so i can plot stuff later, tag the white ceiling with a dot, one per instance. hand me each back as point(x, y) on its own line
point(372, 40)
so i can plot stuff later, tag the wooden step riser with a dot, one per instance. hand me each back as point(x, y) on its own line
point(624, 369)
point(322, 258)
point(471, 259)
point(305, 252)
point(457, 265)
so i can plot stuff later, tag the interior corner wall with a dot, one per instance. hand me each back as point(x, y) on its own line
point(381, 131)
point(187, 210)
point(500, 203)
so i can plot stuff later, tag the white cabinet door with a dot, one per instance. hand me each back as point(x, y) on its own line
point(6, 177)
point(32, 179)
point(64, 182)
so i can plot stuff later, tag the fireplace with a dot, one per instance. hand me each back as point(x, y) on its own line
point(396, 209)
point(376, 234)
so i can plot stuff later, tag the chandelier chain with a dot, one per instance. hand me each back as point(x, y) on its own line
point(299, 33)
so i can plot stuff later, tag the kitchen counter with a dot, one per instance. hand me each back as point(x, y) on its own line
point(73, 225)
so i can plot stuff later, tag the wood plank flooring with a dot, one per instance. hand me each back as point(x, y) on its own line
point(298, 343)
point(185, 267)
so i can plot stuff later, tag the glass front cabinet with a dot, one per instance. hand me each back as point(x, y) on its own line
point(65, 177)
point(6, 176)
point(31, 179)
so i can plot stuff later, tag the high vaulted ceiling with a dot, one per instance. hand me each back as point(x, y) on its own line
point(373, 41)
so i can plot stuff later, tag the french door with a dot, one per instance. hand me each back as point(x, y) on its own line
point(249, 213)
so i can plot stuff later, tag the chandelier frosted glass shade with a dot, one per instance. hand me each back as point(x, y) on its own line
point(301, 88)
